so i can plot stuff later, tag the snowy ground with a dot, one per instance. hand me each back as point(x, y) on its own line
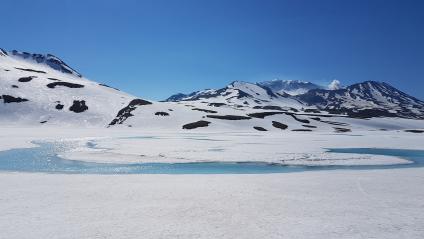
point(327, 204)
point(338, 204)
point(134, 145)
point(291, 148)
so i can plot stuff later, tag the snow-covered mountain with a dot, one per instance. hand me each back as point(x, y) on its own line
point(362, 100)
point(274, 88)
point(37, 88)
point(367, 99)
point(291, 87)
point(240, 94)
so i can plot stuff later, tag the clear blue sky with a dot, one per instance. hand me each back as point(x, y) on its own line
point(156, 48)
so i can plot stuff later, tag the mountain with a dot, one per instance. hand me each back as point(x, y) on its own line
point(240, 94)
point(42, 90)
point(362, 100)
point(36, 88)
point(291, 87)
point(283, 88)
point(46, 60)
point(367, 99)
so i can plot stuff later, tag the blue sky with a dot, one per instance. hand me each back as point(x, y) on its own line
point(156, 48)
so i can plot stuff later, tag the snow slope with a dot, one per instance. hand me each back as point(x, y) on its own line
point(38, 89)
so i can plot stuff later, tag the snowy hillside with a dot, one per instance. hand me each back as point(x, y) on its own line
point(42, 89)
point(243, 106)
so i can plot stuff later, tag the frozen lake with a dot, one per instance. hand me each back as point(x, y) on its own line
point(44, 158)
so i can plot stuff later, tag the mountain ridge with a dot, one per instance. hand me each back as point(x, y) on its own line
point(47, 59)
point(32, 91)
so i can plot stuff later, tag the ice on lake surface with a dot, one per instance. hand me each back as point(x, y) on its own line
point(44, 158)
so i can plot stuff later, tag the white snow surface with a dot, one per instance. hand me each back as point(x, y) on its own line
point(290, 149)
point(328, 204)
point(127, 145)
point(103, 102)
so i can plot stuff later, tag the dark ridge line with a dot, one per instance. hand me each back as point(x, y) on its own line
point(229, 117)
point(30, 70)
point(63, 83)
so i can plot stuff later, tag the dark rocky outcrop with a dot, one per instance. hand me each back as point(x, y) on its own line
point(15, 86)
point(59, 106)
point(417, 131)
point(66, 84)
point(78, 106)
point(262, 115)
point(229, 117)
point(309, 126)
point(301, 130)
point(279, 125)
point(342, 130)
point(197, 124)
point(125, 112)
point(161, 113)
point(258, 128)
point(12, 99)
point(305, 121)
point(26, 79)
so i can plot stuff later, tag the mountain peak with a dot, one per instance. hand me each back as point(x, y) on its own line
point(236, 84)
point(291, 87)
point(49, 60)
